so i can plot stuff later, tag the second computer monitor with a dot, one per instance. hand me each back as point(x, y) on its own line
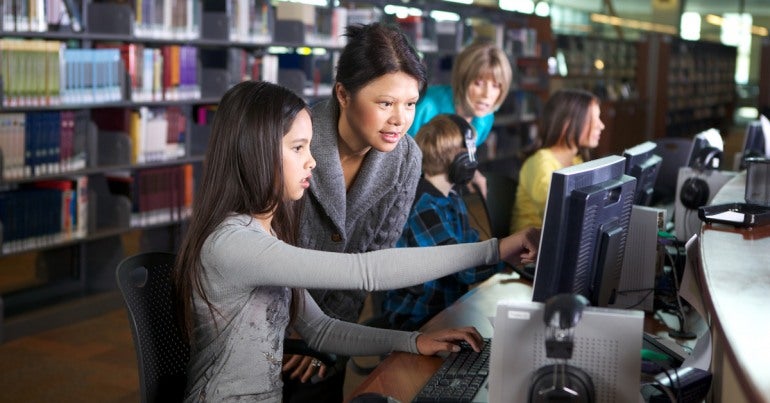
point(584, 231)
point(643, 164)
point(756, 142)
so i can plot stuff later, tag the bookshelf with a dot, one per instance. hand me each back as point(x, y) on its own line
point(106, 110)
point(695, 83)
point(615, 71)
point(103, 130)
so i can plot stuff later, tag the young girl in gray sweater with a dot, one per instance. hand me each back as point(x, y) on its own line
point(241, 281)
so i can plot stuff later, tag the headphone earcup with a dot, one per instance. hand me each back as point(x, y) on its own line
point(694, 193)
point(462, 169)
point(541, 389)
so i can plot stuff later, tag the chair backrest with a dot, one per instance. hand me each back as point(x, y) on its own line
point(161, 350)
point(501, 194)
point(674, 151)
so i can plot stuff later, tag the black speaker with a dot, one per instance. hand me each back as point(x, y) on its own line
point(464, 164)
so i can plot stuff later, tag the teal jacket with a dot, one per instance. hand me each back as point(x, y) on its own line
point(437, 100)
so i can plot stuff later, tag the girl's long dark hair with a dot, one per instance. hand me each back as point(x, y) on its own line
point(242, 174)
point(564, 117)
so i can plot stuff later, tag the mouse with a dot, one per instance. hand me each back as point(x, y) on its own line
point(373, 397)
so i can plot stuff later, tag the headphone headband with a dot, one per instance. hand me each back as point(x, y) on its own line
point(464, 165)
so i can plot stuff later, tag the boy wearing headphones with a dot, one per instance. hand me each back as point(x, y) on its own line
point(439, 217)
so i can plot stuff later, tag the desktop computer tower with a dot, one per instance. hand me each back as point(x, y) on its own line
point(641, 259)
point(695, 188)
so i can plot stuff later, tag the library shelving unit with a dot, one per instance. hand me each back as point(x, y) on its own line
point(695, 83)
point(615, 71)
point(104, 119)
point(529, 41)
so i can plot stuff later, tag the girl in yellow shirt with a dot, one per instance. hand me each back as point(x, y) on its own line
point(569, 128)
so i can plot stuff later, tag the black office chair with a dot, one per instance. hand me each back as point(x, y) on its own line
point(501, 194)
point(162, 352)
point(674, 151)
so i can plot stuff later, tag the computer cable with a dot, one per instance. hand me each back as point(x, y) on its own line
point(649, 292)
point(657, 385)
point(682, 333)
point(676, 384)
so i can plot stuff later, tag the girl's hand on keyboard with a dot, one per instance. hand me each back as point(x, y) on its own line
point(449, 340)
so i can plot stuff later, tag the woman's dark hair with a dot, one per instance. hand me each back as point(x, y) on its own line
point(564, 117)
point(374, 50)
point(242, 174)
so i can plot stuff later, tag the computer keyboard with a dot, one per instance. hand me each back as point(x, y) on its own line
point(459, 378)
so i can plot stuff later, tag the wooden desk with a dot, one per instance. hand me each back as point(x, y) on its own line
point(402, 375)
point(735, 278)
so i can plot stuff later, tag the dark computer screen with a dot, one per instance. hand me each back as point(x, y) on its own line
point(706, 150)
point(755, 142)
point(584, 231)
point(643, 164)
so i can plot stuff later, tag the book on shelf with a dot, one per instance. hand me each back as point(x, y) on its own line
point(91, 76)
point(30, 71)
point(179, 76)
point(167, 19)
point(39, 15)
point(251, 21)
point(159, 195)
point(73, 13)
point(522, 42)
point(40, 143)
point(43, 213)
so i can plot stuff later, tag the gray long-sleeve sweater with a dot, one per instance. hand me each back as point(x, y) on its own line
point(248, 276)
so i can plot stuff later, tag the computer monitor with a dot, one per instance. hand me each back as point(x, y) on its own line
point(583, 238)
point(706, 150)
point(756, 142)
point(643, 164)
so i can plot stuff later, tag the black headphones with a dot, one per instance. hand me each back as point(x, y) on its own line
point(709, 158)
point(561, 382)
point(464, 165)
point(695, 191)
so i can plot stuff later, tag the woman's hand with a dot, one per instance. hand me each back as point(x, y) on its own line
point(303, 366)
point(520, 247)
point(431, 343)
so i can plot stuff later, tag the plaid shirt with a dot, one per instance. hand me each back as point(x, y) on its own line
point(434, 219)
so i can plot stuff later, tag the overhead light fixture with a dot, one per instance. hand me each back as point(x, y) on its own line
point(717, 20)
point(633, 24)
point(401, 11)
point(521, 6)
point(689, 26)
point(438, 15)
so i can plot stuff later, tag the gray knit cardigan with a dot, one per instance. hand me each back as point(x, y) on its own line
point(370, 216)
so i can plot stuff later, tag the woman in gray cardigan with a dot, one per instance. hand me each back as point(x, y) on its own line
point(367, 169)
